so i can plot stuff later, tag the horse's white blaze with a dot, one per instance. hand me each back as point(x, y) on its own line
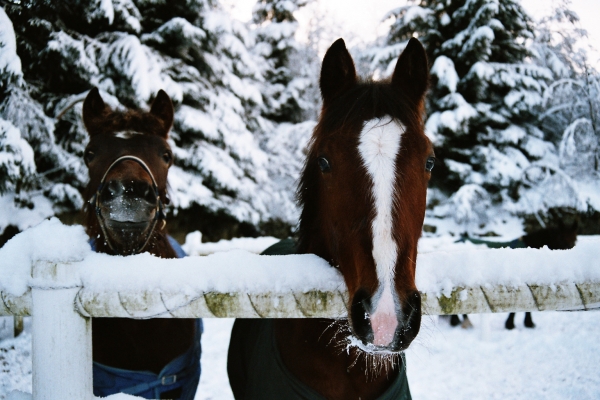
point(378, 147)
point(127, 134)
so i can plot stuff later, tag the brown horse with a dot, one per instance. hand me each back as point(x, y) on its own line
point(362, 193)
point(128, 158)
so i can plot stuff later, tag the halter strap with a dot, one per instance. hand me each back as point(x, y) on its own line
point(159, 204)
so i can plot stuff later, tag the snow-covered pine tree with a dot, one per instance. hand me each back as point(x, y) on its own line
point(18, 179)
point(482, 104)
point(130, 49)
point(285, 72)
point(570, 118)
point(16, 160)
point(291, 101)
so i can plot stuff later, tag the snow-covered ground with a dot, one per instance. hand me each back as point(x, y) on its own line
point(559, 359)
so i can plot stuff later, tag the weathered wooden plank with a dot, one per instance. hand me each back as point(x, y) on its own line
point(315, 304)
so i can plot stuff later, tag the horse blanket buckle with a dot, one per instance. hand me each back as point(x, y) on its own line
point(168, 380)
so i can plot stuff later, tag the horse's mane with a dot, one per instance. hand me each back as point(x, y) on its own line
point(346, 116)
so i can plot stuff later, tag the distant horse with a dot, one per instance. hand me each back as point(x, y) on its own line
point(362, 194)
point(562, 237)
point(128, 158)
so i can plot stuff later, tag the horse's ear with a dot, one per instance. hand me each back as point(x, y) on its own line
point(94, 110)
point(411, 75)
point(337, 72)
point(162, 108)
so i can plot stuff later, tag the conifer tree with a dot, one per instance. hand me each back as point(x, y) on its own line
point(483, 101)
point(285, 72)
point(130, 49)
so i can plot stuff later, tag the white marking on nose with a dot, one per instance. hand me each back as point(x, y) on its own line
point(379, 145)
point(127, 134)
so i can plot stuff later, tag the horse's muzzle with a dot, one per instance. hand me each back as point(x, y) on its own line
point(128, 211)
point(408, 322)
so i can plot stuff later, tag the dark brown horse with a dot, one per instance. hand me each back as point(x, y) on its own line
point(362, 193)
point(128, 158)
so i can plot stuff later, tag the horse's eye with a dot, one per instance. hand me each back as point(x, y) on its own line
point(167, 157)
point(429, 164)
point(324, 164)
point(89, 156)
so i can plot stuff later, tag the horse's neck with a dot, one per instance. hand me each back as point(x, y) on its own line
point(140, 344)
point(314, 351)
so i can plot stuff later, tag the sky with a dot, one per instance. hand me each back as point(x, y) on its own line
point(361, 20)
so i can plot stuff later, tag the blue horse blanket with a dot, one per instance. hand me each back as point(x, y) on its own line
point(256, 370)
point(183, 372)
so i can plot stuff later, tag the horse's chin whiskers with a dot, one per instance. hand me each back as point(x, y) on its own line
point(340, 326)
point(376, 362)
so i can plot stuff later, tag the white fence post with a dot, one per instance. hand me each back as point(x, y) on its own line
point(62, 338)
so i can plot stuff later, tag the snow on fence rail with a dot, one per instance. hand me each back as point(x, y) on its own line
point(455, 280)
point(50, 272)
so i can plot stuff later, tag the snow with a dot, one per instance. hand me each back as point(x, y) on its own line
point(56, 242)
point(18, 395)
point(479, 41)
point(185, 188)
point(74, 51)
point(136, 64)
point(468, 205)
point(538, 148)
point(502, 166)
point(214, 383)
point(558, 359)
point(513, 134)
point(9, 60)
point(229, 272)
point(191, 119)
point(409, 13)
point(16, 353)
point(241, 271)
point(461, 169)
point(104, 10)
point(443, 68)
point(24, 217)
point(233, 271)
point(176, 26)
point(194, 247)
point(510, 267)
point(456, 119)
point(16, 156)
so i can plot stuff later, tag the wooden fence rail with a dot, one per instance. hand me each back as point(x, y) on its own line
point(312, 304)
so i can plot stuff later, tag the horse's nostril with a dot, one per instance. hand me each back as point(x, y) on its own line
point(128, 189)
point(412, 312)
point(359, 312)
point(113, 189)
point(143, 190)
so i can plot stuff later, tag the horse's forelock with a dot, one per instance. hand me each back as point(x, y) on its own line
point(132, 120)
